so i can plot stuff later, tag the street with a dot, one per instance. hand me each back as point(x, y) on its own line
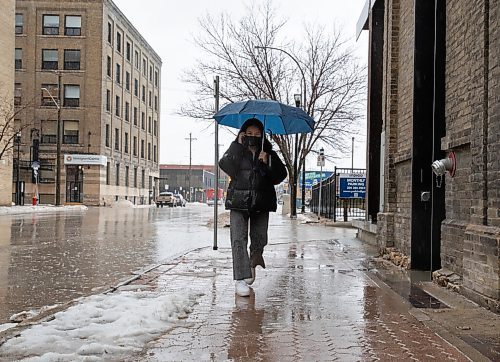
point(47, 259)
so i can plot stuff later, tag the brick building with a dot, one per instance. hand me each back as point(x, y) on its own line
point(109, 94)
point(434, 94)
point(179, 179)
point(6, 96)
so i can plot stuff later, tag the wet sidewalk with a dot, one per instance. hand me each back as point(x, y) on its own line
point(315, 301)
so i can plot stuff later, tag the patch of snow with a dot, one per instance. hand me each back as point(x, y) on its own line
point(5, 326)
point(127, 204)
point(12, 210)
point(101, 327)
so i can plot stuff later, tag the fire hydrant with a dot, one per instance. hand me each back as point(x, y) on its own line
point(35, 200)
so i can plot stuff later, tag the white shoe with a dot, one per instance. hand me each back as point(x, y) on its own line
point(242, 289)
point(250, 281)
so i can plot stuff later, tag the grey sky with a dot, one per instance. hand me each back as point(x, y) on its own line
point(169, 27)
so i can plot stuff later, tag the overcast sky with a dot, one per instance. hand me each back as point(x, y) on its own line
point(169, 26)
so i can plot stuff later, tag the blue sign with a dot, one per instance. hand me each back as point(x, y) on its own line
point(352, 186)
point(312, 178)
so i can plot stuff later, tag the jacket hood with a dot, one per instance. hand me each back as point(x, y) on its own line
point(257, 123)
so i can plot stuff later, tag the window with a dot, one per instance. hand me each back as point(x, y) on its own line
point(107, 137)
point(156, 103)
point(150, 99)
point(117, 139)
point(110, 35)
point(134, 146)
point(144, 68)
point(73, 25)
point(118, 105)
point(156, 78)
point(108, 66)
point(136, 87)
point(71, 96)
point(127, 81)
point(70, 132)
point(126, 142)
point(71, 59)
point(150, 73)
point(136, 59)
point(49, 132)
point(154, 153)
point(143, 178)
point(51, 25)
point(118, 73)
point(127, 111)
point(18, 94)
point(119, 42)
point(18, 58)
point(143, 120)
point(135, 116)
point(108, 100)
point(142, 148)
point(144, 93)
point(19, 23)
point(155, 127)
point(117, 174)
point(135, 176)
point(149, 151)
point(49, 90)
point(149, 124)
point(127, 51)
point(126, 175)
point(108, 173)
point(49, 59)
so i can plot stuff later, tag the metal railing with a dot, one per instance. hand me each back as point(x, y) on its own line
point(332, 205)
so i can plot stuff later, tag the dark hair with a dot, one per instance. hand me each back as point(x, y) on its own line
point(252, 122)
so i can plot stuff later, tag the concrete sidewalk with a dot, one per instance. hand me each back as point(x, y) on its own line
point(315, 301)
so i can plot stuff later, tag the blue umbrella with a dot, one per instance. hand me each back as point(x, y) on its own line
point(278, 118)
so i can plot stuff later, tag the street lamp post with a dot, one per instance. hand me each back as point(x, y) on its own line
point(18, 186)
point(58, 135)
point(293, 212)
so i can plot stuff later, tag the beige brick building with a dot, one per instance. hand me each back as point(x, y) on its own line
point(6, 95)
point(433, 94)
point(109, 96)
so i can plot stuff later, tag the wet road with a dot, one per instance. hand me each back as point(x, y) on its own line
point(46, 259)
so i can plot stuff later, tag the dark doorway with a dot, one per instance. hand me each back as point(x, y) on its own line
point(375, 82)
point(74, 184)
point(428, 209)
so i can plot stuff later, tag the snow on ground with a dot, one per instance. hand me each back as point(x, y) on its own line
point(12, 210)
point(101, 327)
point(128, 204)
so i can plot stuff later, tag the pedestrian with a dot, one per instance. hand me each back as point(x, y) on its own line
point(254, 169)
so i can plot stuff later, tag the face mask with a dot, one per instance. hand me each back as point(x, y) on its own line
point(253, 141)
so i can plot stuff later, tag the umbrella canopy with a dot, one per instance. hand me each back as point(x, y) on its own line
point(277, 118)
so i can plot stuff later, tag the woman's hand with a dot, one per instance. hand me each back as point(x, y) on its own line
point(241, 138)
point(264, 157)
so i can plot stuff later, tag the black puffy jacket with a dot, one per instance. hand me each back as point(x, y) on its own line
point(252, 181)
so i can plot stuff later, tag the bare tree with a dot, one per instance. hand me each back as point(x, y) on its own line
point(9, 127)
point(335, 82)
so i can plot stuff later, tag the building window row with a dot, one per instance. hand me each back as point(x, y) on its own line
point(127, 175)
point(71, 132)
point(72, 25)
point(50, 59)
point(151, 152)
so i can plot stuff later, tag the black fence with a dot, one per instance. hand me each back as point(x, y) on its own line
point(332, 205)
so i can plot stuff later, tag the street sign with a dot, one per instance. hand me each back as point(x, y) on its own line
point(352, 186)
point(321, 160)
point(35, 165)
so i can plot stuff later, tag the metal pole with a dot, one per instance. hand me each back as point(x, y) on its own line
point(216, 164)
point(320, 187)
point(352, 155)
point(293, 211)
point(58, 149)
point(18, 186)
point(304, 150)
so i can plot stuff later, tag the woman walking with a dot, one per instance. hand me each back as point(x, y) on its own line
point(254, 170)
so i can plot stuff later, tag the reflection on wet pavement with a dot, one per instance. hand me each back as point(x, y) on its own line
point(313, 302)
point(47, 259)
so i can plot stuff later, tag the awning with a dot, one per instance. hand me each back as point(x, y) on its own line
point(362, 23)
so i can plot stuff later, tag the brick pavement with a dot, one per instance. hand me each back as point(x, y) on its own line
point(315, 301)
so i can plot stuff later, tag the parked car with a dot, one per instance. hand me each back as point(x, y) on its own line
point(210, 202)
point(166, 198)
point(181, 201)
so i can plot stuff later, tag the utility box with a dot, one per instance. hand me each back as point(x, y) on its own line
point(286, 204)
